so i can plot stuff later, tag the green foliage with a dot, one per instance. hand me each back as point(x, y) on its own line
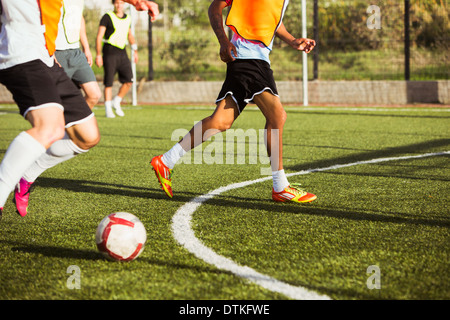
point(185, 47)
point(193, 14)
point(184, 52)
point(343, 24)
point(431, 24)
point(342, 27)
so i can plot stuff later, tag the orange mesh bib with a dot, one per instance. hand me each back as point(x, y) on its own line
point(50, 14)
point(255, 20)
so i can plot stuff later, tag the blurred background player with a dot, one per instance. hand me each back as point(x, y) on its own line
point(62, 123)
point(114, 31)
point(76, 63)
point(249, 79)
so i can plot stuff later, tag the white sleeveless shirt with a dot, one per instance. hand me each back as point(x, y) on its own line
point(23, 36)
point(70, 25)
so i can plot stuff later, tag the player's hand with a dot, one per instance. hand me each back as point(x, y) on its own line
point(150, 6)
point(88, 55)
point(99, 61)
point(226, 50)
point(136, 57)
point(303, 44)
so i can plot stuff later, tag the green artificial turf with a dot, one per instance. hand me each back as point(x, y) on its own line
point(393, 215)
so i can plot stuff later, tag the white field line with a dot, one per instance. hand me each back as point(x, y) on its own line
point(183, 233)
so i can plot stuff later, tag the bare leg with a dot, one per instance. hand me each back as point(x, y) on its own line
point(86, 134)
point(28, 146)
point(221, 120)
point(275, 115)
point(124, 88)
point(92, 93)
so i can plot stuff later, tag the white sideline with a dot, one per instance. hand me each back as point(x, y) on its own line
point(183, 233)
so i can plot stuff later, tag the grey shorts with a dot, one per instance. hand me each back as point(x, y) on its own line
point(75, 64)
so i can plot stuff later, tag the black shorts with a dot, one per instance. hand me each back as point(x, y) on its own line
point(245, 79)
point(116, 60)
point(34, 85)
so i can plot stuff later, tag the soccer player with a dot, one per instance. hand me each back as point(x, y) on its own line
point(62, 124)
point(249, 78)
point(76, 63)
point(114, 31)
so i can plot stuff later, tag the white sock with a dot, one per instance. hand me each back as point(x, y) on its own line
point(60, 151)
point(117, 99)
point(21, 153)
point(108, 104)
point(171, 157)
point(280, 181)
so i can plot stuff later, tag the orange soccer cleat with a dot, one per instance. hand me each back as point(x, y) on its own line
point(164, 175)
point(293, 193)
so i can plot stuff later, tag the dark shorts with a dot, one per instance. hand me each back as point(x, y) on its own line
point(34, 85)
point(75, 64)
point(245, 79)
point(116, 60)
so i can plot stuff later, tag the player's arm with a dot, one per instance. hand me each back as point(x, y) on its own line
point(132, 41)
point(301, 44)
point(84, 42)
point(216, 21)
point(142, 5)
point(98, 45)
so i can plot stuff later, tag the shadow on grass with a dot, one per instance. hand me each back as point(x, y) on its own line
point(313, 210)
point(94, 255)
point(340, 113)
point(86, 186)
point(415, 148)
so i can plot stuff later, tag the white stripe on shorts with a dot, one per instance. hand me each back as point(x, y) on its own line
point(80, 121)
point(45, 105)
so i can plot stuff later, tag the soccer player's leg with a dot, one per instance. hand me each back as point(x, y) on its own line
point(272, 109)
point(83, 76)
point(222, 118)
point(81, 134)
point(109, 67)
point(92, 93)
point(77, 140)
point(125, 74)
point(48, 126)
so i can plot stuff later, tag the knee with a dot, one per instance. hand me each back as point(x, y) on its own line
point(85, 139)
point(58, 133)
point(220, 124)
point(89, 141)
point(93, 97)
point(278, 120)
point(49, 134)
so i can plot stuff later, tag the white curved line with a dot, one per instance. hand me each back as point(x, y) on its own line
point(183, 233)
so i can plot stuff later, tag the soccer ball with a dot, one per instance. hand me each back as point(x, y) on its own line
point(121, 236)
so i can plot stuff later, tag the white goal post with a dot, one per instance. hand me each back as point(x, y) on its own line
point(133, 64)
point(305, 57)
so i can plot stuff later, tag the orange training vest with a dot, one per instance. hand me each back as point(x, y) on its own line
point(50, 14)
point(255, 20)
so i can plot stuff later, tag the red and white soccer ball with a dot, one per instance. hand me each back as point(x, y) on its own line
point(121, 236)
